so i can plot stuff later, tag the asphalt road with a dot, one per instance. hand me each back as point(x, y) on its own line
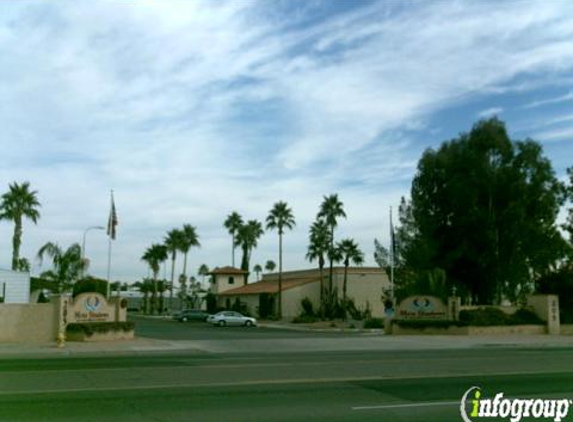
point(166, 329)
point(337, 386)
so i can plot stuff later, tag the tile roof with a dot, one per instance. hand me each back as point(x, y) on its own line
point(228, 270)
point(268, 286)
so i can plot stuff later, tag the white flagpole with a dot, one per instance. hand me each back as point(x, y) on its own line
point(109, 235)
point(391, 257)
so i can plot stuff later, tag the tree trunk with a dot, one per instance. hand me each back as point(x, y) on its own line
point(320, 270)
point(330, 275)
point(233, 250)
point(185, 265)
point(16, 241)
point(344, 291)
point(154, 297)
point(172, 281)
point(280, 275)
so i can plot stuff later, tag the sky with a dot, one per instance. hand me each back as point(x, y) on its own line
point(190, 110)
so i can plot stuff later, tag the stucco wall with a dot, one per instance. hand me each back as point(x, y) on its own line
point(291, 299)
point(365, 288)
point(28, 322)
point(222, 282)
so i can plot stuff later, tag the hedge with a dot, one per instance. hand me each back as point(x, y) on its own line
point(428, 323)
point(89, 328)
point(490, 316)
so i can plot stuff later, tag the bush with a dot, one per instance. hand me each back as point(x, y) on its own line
point(90, 285)
point(89, 328)
point(525, 316)
point(428, 323)
point(485, 317)
point(374, 323)
point(307, 308)
point(305, 319)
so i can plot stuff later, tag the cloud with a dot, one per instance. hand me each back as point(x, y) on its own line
point(548, 101)
point(493, 111)
point(190, 110)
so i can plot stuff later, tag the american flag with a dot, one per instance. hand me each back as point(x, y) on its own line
point(112, 220)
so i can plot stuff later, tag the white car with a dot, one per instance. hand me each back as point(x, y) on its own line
point(231, 318)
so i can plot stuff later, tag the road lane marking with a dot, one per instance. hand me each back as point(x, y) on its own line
point(266, 382)
point(407, 405)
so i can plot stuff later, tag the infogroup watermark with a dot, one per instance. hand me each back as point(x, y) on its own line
point(474, 407)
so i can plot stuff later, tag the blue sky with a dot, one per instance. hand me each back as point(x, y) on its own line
point(192, 109)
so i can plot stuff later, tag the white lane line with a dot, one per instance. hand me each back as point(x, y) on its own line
point(407, 405)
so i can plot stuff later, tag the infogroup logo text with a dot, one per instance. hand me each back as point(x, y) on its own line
point(474, 408)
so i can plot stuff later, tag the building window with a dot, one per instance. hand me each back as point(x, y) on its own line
point(231, 280)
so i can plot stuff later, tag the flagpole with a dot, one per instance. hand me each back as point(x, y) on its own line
point(391, 257)
point(110, 235)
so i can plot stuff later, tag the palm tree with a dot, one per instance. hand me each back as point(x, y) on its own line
point(174, 243)
point(67, 266)
point(203, 271)
point(349, 253)
point(145, 287)
point(19, 202)
point(154, 256)
point(279, 218)
point(319, 243)
point(190, 239)
point(247, 238)
point(233, 223)
point(270, 266)
point(23, 265)
point(331, 209)
point(258, 270)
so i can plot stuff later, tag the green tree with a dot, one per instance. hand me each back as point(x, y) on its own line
point(67, 266)
point(331, 210)
point(17, 203)
point(270, 266)
point(319, 244)
point(258, 270)
point(233, 224)
point(280, 218)
point(349, 252)
point(154, 256)
point(483, 209)
point(247, 238)
point(174, 242)
point(23, 265)
point(190, 240)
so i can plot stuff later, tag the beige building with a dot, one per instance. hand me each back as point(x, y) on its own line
point(365, 285)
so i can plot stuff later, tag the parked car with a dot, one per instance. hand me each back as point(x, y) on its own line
point(191, 315)
point(231, 318)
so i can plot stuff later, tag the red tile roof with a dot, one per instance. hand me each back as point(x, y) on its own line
point(228, 270)
point(268, 286)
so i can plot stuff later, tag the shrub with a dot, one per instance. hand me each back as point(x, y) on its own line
point(490, 316)
point(307, 308)
point(211, 301)
point(428, 323)
point(374, 323)
point(525, 316)
point(89, 328)
point(484, 317)
point(305, 319)
point(90, 285)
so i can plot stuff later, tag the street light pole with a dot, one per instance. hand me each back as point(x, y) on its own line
point(84, 243)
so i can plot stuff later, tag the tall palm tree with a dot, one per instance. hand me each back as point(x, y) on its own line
point(67, 265)
point(280, 218)
point(17, 203)
point(331, 209)
point(173, 242)
point(270, 266)
point(233, 223)
point(203, 271)
point(349, 253)
point(154, 256)
point(319, 243)
point(145, 287)
point(258, 270)
point(190, 240)
point(247, 238)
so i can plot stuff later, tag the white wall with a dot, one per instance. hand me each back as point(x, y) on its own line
point(16, 286)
